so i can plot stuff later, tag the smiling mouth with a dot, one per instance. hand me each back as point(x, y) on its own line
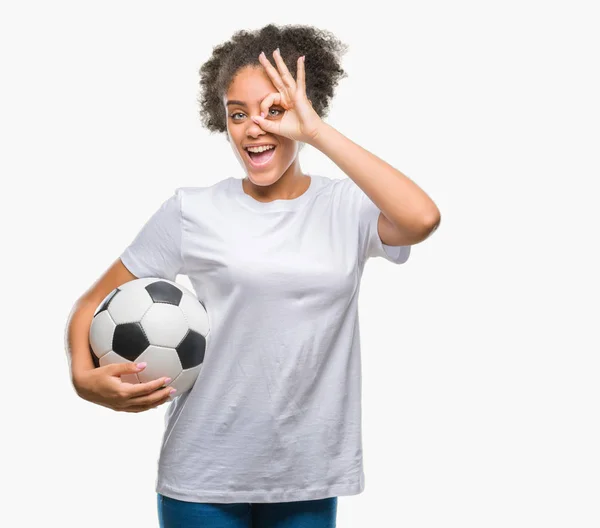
point(262, 158)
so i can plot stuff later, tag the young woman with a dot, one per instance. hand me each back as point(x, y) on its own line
point(272, 427)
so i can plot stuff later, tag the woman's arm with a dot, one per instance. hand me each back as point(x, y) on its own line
point(408, 216)
point(77, 330)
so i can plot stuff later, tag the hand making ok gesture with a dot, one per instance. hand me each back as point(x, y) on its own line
point(300, 121)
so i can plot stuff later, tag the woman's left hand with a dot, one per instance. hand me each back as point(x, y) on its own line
point(299, 122)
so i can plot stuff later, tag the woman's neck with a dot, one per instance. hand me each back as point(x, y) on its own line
point(290, 185)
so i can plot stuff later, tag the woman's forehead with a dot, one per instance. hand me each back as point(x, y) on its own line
point(250, 85)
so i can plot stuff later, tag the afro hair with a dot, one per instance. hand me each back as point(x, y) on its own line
point(322, 65)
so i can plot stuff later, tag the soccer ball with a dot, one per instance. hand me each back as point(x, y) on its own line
point(153, 320)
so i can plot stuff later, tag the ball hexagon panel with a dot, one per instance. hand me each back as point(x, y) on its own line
point(129, 340)
point(163, 291)
point(129, 306)
point(161, 334)
point(162, 361)
point(183, 289)
point(184, 381)
point(101, 333)
point(130, 378)
point(112, 357)
point(195, 314)
point(191, 349)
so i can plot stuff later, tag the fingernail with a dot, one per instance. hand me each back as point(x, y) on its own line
point(141, 365)
point(172, 391)
point(277, 51)
point(167, 381)
point(262, 114)
point(262, 54)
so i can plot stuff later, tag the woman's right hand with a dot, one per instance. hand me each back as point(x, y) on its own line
point(103, 386)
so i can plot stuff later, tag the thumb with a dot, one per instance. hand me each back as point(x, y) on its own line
point(265, 124)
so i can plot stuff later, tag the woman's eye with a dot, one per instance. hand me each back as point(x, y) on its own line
point(276, 110)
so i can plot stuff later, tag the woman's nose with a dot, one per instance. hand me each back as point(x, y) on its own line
point(254, 130)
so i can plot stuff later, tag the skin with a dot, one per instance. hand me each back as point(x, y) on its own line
point(283, 179)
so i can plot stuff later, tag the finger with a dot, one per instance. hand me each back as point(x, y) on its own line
point(268, 101)
point(268, 126)
point(150, 399)
point(301, 82)
point(117, 369)
point(141, 389)
point(286, 76)
point(272, 73)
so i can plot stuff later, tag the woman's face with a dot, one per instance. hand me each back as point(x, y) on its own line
point(242, 100)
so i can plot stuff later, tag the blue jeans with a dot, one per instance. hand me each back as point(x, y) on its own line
point(174, 513)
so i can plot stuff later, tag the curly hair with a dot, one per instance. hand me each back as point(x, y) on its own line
point(322, 52)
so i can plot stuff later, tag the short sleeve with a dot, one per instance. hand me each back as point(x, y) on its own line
point(156, 249)
point(370, 244)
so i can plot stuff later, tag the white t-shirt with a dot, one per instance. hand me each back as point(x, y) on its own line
point(275, 414)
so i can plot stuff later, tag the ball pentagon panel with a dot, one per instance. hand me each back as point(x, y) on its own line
point(163, 291)
point(191, 350)
point(129, 340)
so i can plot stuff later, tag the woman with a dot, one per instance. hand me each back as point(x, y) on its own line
point(272, 427)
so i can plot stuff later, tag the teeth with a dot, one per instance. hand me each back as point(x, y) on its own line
point(260, 149)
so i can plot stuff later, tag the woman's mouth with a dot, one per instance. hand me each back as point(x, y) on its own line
point(260, 159)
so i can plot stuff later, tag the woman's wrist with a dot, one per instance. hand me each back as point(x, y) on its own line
point(78, 375)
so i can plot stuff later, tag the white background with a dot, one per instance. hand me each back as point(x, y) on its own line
point(480, 354)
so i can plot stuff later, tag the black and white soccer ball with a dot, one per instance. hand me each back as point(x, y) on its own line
point(153, 320)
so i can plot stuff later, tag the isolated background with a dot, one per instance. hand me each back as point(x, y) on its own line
point(480, 354)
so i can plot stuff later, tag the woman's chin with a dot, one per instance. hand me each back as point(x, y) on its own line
point(262, 178)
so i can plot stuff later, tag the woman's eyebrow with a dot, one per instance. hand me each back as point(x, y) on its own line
point(240, 103)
